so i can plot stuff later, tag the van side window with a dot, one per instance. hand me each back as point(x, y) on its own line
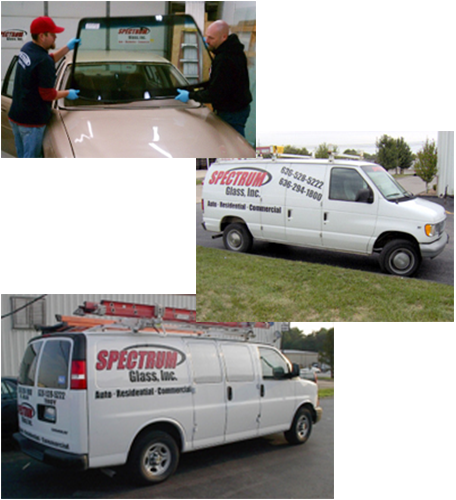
point(273, 365)
point(27, 370)
point(55, 359)
point(206, 363)
point(238, 363)
point(345, 184)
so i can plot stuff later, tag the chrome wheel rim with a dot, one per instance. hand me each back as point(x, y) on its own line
point(302, 427)
point(157, 459)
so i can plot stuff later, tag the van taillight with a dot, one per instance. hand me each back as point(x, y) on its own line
point(78, 375)
point(202, 205)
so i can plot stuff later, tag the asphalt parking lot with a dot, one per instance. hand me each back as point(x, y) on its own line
point(259, 468)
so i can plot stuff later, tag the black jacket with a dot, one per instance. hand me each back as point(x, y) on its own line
point(228, 88)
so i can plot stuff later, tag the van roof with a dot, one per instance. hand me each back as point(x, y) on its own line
point(313, 161)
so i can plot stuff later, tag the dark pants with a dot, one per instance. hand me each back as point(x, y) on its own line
point(237, 119)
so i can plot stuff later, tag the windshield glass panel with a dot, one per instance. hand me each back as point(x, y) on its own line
point(120, 81)
point(138, 58)
point(385, 183)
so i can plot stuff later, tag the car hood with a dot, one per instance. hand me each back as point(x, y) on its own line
point(164, 132)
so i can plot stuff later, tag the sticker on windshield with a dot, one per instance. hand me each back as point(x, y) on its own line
point(92, 26)
point(134, 35)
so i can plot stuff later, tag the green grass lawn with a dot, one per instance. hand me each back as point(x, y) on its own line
point(242, 287)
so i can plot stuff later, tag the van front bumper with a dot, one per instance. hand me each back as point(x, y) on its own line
point(51, 456)
point(319, 413)
point(431, 250)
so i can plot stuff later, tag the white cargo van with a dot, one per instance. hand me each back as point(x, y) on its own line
point(345, 205)
point(108, 395)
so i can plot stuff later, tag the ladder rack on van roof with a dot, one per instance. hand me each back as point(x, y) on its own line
point(275, 156)
point(150, 318)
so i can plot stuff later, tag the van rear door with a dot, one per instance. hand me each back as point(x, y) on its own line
point(52, 396)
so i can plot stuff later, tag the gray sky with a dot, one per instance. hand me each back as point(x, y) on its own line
point(309, 328)
point(364, 140)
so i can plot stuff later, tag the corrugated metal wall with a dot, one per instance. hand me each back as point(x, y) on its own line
point(14, 341)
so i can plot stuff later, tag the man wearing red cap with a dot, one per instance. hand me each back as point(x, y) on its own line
point(34, 87)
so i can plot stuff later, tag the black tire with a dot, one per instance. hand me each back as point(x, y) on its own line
point(400, 257)
point(237, 238)
point(300, 428)
point(153, 458)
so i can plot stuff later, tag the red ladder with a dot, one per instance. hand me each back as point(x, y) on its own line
point(162, 314)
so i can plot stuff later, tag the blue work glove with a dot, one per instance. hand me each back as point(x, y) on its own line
point(73, 95)
point(72, 43)
point(183, 95)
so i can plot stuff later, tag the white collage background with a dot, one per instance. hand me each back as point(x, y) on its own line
point(127, 226)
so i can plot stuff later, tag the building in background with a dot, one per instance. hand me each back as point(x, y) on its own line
point(445, 164)
point(20, 314)
point(18, 328)
point(305, 359)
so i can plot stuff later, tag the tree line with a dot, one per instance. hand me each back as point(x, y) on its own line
point(321, 342)
point(391, 154)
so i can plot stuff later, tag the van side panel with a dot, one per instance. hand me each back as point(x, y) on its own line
point(135, 382)
point(305, 186)
point(235, 191)
point(272, 206)
point(209, 397)
point(242, 392)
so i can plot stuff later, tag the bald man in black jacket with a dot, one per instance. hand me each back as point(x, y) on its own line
point(228, 89)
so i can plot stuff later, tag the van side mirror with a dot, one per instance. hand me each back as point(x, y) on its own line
point(365, 196)
point(295, 371)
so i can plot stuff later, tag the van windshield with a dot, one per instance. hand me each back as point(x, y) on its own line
point(386, 184)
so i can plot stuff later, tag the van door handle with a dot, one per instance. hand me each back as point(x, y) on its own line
point(325, 216)
point(230, 393)
point(262, 390)
point(289, 214)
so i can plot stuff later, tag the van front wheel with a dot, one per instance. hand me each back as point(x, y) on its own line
point(237, 238)
point(400, 257)
point(153, 458)
point(300, 428)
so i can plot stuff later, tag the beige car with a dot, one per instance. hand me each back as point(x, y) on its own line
point(127, 89)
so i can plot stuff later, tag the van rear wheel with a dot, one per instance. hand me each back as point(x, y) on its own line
point(400, 257)
point(237, 238)
point(300, 428)
point(153, 458)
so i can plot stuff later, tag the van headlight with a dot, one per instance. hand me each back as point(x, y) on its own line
point(429, 229)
